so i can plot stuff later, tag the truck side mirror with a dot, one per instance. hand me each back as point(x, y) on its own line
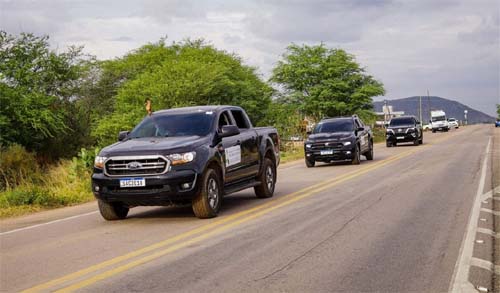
point(360, 129)
point(122, 135)
point(229, 130)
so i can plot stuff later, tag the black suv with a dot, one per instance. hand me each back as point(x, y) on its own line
point(339, 139)
point(404, 129)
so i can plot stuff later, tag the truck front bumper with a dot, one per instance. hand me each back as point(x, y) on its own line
point(403, 137)
point(174, 187)
point(335, 155)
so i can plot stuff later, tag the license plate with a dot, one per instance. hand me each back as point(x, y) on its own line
point(132, 182)
point(400, 137)
point(327, 152)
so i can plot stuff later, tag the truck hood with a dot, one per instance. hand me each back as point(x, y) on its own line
point(154, 145)
point(329, 136)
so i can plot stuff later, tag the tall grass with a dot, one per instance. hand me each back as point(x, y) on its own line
point(34, 188)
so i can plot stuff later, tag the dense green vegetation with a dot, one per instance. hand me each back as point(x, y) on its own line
point(57, 105)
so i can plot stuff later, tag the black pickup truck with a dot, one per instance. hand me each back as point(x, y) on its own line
point(339, 139)
point(404, 129)
point(192, 155)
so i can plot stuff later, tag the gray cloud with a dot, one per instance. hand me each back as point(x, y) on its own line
point(450, 47)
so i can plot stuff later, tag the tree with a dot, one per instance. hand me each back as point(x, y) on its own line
point(37, 88)
point(325, 82)
point(182, 74)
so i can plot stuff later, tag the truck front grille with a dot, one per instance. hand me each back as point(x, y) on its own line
point(317, 146)
point(136, 166)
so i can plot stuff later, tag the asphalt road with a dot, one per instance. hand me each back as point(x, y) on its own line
point(395, 224)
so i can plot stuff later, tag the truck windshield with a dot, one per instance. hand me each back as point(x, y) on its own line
point(438, 118)
point(345, 125)
point(168, 125)
point(401, 121)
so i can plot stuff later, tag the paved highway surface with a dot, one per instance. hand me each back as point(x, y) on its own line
point(395, 224)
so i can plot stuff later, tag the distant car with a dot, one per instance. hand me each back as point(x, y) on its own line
point(497, 123)
point(404, 129)
point(339, 139)
point(452, 122)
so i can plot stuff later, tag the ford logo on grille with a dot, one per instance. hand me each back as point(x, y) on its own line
point(134, 165)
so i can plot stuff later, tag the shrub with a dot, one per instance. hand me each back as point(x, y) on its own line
point(17, 166)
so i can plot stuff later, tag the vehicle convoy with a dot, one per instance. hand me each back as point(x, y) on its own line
point(339, 139)
point(404, 129)
point(452, 122)
point(192, 155)
point(438, 121)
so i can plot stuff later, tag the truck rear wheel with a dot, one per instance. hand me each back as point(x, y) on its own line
point(356, 160)
point(369, 153)
point(267, 179)
point(112, 211)
point(207, 202)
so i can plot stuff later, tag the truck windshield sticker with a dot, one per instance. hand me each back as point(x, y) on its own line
point(233, 155)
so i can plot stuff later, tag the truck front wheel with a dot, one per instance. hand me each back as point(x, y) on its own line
point(112, 211)
point(267, 180)
point(310, 163)
point(207, 202)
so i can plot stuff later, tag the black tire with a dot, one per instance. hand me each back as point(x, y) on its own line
point(416, 141)
point(267, 179)
point(207, 202)
point(310, 163)
point(421, 140)
point(356, 160)
point(388, 144)
point(433, 131)
point(112, 211)
point(369, 153)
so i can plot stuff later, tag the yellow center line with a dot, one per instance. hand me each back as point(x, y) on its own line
point(173, 248)
point(238, 218)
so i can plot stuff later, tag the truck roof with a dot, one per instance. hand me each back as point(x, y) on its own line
point(214, 108)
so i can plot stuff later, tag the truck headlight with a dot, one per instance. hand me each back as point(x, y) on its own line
point(308, 145)
point(347, 143)
point(99, 162)
point(179, 159)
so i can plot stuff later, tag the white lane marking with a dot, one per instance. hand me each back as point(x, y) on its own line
point(47, 223)
point(460, 281)
point(488, 232)
point(496, 213)
point(484, 264)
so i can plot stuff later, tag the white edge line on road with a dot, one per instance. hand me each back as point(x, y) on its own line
point(47, 223)
point(460, 281)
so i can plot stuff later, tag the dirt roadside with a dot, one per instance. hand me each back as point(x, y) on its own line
point(495, 183)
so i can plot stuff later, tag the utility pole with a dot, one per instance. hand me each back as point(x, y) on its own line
point(420, 108)
point(429, 103)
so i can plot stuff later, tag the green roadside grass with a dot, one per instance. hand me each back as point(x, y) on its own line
point(59, 186)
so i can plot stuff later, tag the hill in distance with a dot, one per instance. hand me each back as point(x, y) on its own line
point(452, 108)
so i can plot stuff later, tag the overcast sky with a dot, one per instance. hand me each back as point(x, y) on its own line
point(451, 47)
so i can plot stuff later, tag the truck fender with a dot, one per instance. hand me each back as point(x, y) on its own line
point(266, 146)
